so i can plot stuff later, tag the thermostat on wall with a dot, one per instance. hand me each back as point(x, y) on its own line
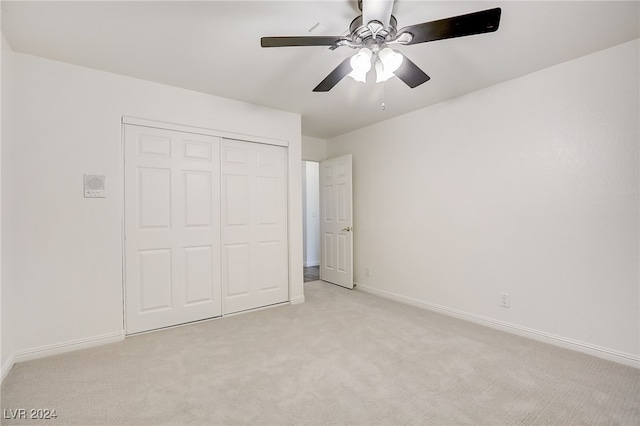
point(94, 186)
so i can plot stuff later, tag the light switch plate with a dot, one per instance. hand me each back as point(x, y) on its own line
point(94, 186)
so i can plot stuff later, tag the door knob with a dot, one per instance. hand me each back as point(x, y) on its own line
point(347, 229)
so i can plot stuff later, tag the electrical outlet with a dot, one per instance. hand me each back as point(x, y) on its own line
point(505, 300)
point(367, 272)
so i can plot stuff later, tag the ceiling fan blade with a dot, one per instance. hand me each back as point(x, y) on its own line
point(300, 41)
point(377, 10)
point(411, 74)
point(334, 77)
point(485, 21)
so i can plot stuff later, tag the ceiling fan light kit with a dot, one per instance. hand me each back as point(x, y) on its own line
point(390, 59)
point(360, 65)
point(373, 39)
point(386, 61)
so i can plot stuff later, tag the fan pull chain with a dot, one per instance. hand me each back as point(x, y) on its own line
point(383, 104)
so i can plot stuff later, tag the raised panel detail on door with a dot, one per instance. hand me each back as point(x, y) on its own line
point(254, 225)
point(172, 232)
point(195, 150)
point(237, 270)
point(237, 156)
point(267, 200)
point(341, 205)
point(154, 145)
point(198, 274)
point(267, 159)
point(236, 201)
point(198, 200)
point(328, 203)
point(342, 255)
point(154, 197)
point(328, 250)
point(268, 254)
point(155, 279)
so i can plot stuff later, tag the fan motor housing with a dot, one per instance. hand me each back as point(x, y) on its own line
point(360, 33)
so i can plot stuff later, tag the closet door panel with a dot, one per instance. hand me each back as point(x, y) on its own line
point(254, 225)
point(172, 228)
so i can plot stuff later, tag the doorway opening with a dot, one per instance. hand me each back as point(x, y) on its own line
point(311, 220)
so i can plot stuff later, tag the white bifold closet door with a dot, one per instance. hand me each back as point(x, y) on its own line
point(172, 228)
point(254, 225)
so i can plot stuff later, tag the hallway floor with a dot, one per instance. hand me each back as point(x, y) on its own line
point(311, 273)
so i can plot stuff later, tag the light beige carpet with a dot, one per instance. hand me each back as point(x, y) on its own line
point(343, 357)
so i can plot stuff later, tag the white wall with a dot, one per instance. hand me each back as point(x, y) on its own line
point(314, 149)
point(6, 303)
point(67, 249)
point(529, 188)
point(311, 212)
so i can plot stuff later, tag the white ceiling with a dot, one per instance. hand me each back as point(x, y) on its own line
point(214, 47)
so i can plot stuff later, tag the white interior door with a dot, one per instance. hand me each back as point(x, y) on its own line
point(172, 228)
point(254, 225)
point(336, 221)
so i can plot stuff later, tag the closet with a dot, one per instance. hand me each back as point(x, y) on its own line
point(205, 221)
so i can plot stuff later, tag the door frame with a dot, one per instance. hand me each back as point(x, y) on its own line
point(292, 258)
point(304, 188)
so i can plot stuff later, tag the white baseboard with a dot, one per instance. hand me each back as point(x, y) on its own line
point(312, 263)
point(74, 345)
point(296, 300)
point(6, 367)
point(600, 352)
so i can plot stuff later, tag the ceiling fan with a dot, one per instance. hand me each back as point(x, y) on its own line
point(375, 30)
